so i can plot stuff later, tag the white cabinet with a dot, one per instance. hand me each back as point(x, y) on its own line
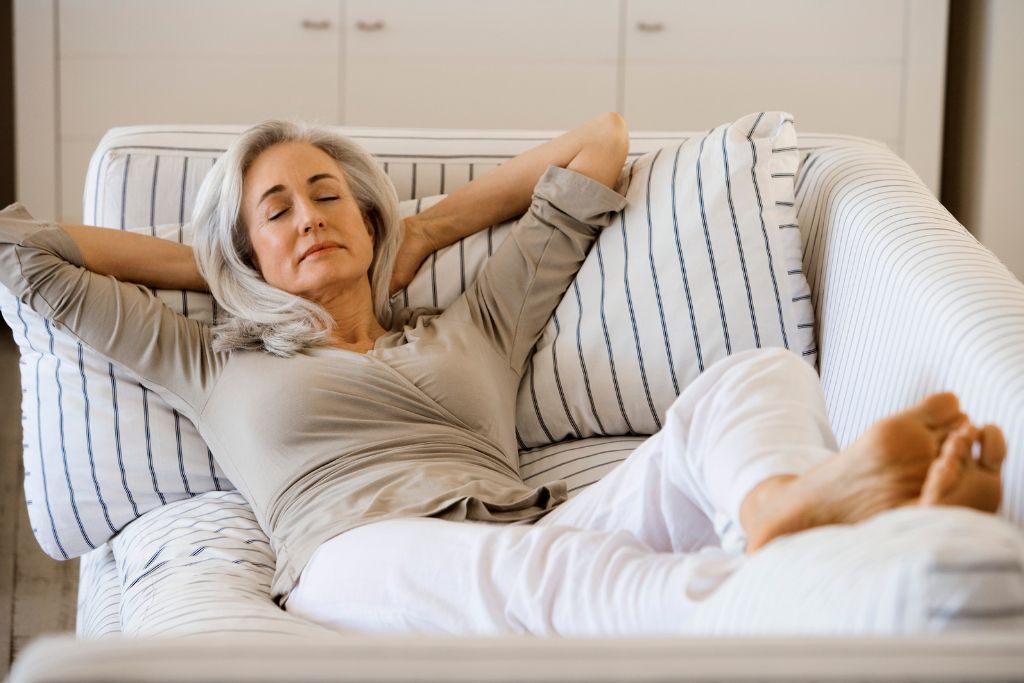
point(480, 64)
point(872, 68)
point(808, 58)
point(866, 67)
point(125, 62)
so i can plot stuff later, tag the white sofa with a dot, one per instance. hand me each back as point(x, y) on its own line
point(905, 302)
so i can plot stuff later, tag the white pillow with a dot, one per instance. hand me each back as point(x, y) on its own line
point(907, 571)
point(704, 261)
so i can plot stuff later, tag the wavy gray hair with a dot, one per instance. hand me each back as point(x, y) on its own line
point(260, 316)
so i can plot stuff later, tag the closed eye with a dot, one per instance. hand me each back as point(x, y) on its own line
point(329, 198)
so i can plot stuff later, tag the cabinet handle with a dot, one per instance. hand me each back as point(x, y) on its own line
point(650, 27)
point(316, 24)
point(370, 25)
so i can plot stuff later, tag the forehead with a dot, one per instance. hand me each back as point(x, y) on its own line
point(287, 163)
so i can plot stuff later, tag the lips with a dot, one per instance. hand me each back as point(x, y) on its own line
point(319, 246)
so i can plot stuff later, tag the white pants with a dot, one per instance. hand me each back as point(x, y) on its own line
point(632, 554)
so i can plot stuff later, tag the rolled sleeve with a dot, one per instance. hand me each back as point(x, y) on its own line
point(579, 196)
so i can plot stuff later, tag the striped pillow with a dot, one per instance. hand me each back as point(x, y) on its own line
point(99, 448)
point(704, 261)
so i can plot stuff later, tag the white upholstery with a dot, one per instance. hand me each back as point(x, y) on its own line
point(99, 595)
point(906, 301)
point(978, 658)
point(906, 571)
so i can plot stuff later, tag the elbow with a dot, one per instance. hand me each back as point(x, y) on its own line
point(617, 135)
point(604, 155)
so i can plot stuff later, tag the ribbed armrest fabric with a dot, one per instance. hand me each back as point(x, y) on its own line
point(907, 302)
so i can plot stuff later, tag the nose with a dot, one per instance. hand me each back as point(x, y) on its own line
point(310, 218)
point(308, 215)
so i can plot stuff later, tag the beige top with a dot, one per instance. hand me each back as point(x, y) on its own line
point(423, 425)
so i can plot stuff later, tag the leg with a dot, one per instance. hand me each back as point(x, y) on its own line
point(921, 456)
point(750, 417)
point(438, 576)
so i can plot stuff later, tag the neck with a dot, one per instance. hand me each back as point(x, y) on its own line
point(355, 323)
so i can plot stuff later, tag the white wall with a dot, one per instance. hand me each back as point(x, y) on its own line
point(983, 182)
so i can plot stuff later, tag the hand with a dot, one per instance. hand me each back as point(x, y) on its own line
point(416, 246)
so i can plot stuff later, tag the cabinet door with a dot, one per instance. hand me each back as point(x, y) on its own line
point(836, 65)
point(124, 62)
point(480, 63)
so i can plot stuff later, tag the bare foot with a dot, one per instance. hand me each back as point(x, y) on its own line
point(958, 478)
point(901, 460)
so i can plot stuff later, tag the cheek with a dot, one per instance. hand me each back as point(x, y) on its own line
point(268, 255)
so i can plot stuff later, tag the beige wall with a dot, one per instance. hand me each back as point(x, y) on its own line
point(983, 177)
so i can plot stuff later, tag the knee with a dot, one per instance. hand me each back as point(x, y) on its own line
point(774, 361)
point(783, 360)
point(758, 369)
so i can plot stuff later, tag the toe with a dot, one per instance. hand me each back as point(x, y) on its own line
point(943, 476)
point(993, 448)
point(939, 411)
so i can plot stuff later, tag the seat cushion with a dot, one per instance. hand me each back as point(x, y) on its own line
point(907, 571)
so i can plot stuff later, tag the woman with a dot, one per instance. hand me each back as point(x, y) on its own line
point(377, 449)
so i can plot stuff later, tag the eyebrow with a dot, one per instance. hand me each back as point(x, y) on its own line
point(280, 188)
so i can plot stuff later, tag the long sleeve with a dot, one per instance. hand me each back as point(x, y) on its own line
point(516, 292)
point(43, 268)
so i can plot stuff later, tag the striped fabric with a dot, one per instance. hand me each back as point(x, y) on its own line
point(908, 571)
point(99, 595)
point(200, 566)
point(101, 449)
point(704, 262)
point(579, 463)
point(907, 302)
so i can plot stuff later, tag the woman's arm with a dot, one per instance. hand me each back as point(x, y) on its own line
point(42, 265)
point(596, 149)
point(141, 259)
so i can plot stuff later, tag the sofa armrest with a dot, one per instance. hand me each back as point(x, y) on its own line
point(907, 302)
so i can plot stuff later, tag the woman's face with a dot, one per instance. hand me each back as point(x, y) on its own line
point(308, 234)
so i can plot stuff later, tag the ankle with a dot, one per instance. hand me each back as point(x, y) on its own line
point(774, 506)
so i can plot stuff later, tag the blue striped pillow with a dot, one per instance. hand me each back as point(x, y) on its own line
point(99, 448)
point(705, 261)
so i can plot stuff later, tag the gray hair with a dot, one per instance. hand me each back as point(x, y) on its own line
point(260, 316)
